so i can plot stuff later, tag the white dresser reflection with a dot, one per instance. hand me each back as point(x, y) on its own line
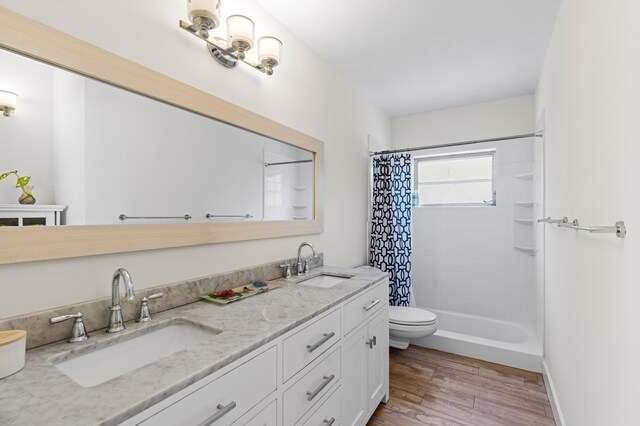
point(30, 215)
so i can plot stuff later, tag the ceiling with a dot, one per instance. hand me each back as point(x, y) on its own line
point(412, 56)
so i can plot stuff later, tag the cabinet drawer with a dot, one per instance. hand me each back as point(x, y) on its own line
point(228, 397)
point(307, 391)
point(266, 417)
point(365, 305)
point(308, 344)
point(329, 413)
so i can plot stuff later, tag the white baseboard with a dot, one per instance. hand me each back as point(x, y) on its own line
point(553, 396)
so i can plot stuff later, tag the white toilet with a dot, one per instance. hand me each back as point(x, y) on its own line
point(406, 324)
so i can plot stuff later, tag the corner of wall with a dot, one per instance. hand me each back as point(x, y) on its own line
point(553, 396)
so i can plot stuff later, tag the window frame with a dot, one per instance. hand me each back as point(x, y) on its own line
point(439, 157)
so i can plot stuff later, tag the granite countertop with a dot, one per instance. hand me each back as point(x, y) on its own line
point(41, 394)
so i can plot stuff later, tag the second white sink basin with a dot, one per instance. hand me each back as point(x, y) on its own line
point(100, 365)
point(325, 280)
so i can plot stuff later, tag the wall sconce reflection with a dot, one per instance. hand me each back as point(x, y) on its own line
point(8, 102)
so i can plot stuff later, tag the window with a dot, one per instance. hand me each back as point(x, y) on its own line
point(458, 179)
point(273, 190)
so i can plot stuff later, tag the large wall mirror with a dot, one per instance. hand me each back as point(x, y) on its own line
point(121, 158)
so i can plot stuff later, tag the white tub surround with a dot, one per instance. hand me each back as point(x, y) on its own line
point(481, 266)
point(487, 339)
point(238, 370)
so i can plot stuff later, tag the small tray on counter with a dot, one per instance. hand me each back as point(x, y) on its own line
point(225, 297)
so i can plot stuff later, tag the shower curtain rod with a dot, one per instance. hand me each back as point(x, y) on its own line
point(421, 148)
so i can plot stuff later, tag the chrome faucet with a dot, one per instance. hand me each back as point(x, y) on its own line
point(304, 269)
point(115, 318)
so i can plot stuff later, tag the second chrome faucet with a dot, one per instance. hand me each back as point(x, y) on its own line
point(300, 267)
point(303, 269)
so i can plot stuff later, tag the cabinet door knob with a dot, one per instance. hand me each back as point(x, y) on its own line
point(369, 343)
point(329, 422)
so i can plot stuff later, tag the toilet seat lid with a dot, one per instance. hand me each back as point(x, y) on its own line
point(411, 316)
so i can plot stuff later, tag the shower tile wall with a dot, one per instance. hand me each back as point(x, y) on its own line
point(464, 258)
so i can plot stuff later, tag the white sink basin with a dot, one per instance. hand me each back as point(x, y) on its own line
point(100, 365)
point(325, 280)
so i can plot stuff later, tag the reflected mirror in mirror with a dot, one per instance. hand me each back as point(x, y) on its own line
point(99, 155)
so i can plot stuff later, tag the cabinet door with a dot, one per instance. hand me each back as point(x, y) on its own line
point(377, 356)
point(266, 417)
point(354, 378)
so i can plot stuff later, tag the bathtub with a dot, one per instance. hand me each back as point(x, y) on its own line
point(487, 339)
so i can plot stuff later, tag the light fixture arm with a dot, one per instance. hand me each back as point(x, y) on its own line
point(226, 56)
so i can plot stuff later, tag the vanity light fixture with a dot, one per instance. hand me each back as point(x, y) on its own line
point(205, 16)
point(8, 102)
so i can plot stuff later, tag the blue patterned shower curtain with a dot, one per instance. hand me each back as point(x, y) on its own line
point(390, 240)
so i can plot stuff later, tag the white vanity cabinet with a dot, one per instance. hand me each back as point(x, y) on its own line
point(377, 360)
point(225, 399)
point(266, 417)
point(331, 370)
point(309, 343)
point(365, 357)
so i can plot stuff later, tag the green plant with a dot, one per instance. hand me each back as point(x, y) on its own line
point(21, 182)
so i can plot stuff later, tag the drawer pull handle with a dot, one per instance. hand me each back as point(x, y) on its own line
point(330, 421)
point(222, 411)
point(371, 306)
point(327, 380)
point(325, 337)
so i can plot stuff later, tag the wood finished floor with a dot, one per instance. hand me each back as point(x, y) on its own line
point(430, 387)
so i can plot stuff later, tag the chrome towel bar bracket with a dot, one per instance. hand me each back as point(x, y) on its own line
point(619, 228)
point(549, 220)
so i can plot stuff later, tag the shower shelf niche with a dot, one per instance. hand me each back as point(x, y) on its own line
point(524, 221)
point(523, 213)
point(525, 176)
point(528, 250)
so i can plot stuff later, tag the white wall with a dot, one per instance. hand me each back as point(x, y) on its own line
point(304, 93)
point(69, 110)
point(505, 117)
point(26, 138)
point(464, 258)
point(589, 93)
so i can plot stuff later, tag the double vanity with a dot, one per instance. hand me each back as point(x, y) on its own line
point(312, 352)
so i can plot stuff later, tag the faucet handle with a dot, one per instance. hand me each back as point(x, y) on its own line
point(307, 265)
point(286, 270)
point(78, 330)
point(153, 296)
point(145, 314)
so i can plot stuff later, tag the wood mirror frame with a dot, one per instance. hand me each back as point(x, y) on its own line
point(32, 39)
